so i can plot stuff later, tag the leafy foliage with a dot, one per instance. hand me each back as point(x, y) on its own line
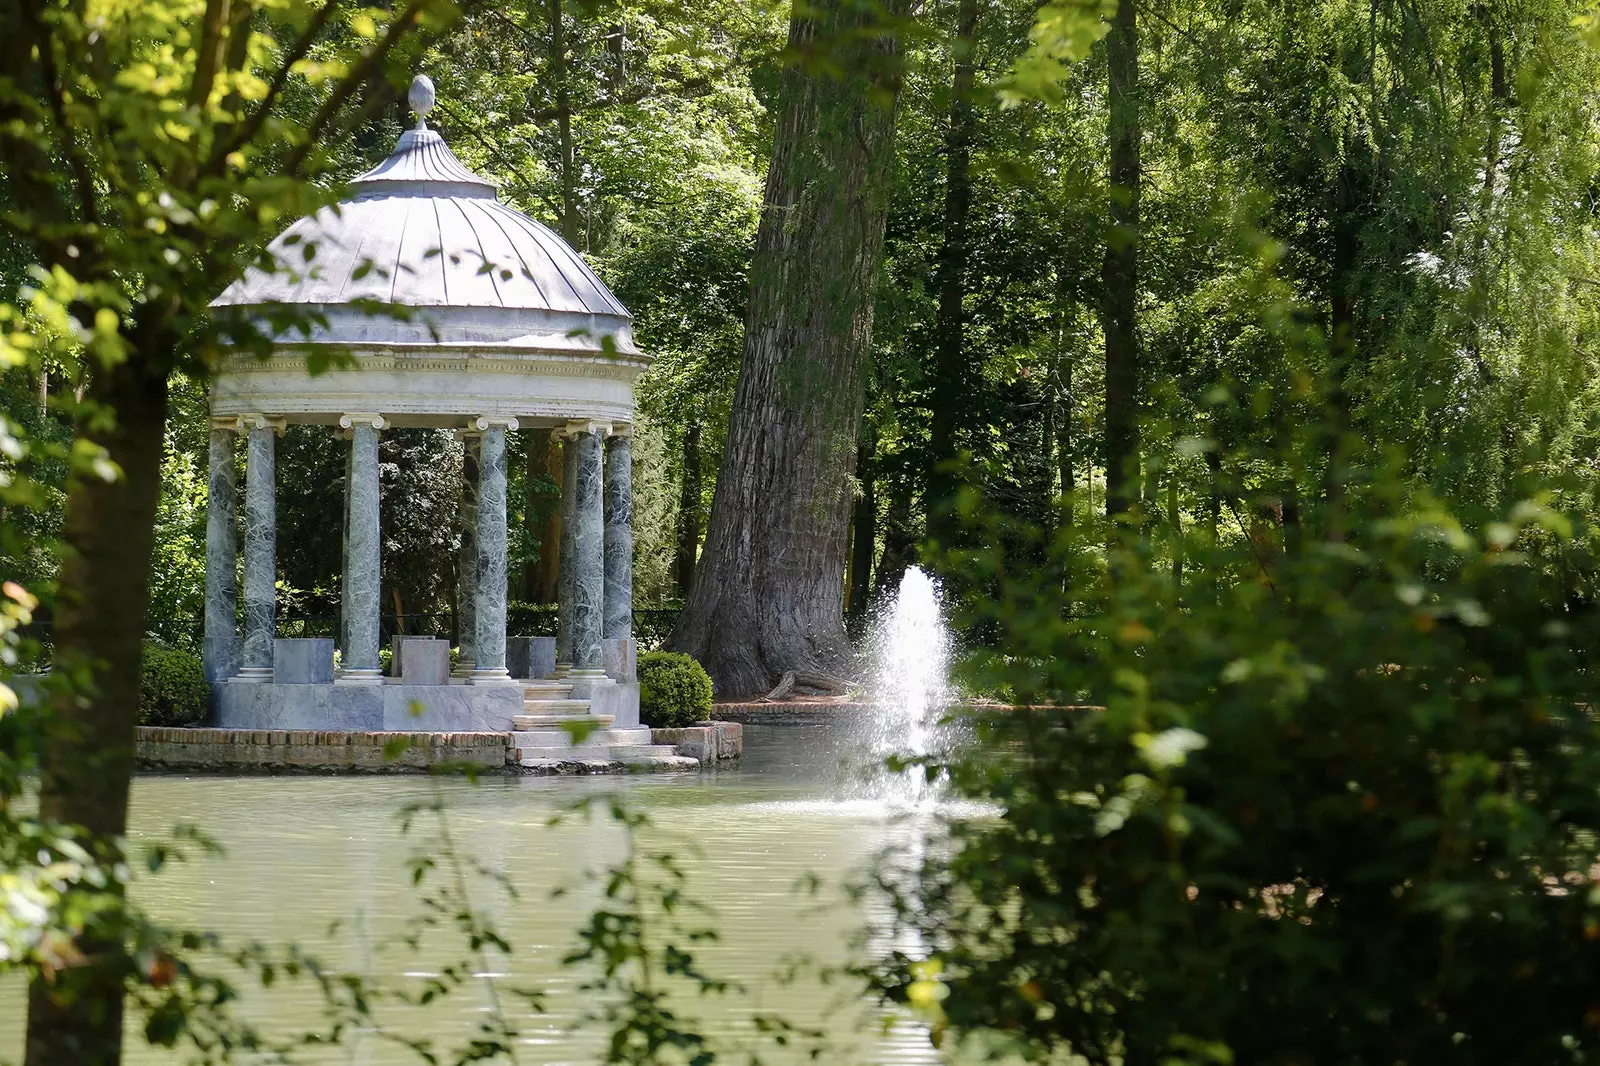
point(674, 690)
point(1344, 814)
point(172, 687)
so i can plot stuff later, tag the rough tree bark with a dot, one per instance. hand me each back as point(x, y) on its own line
point(87, 759)
point(768, 595)
point(1120, 270)
point(949, 380)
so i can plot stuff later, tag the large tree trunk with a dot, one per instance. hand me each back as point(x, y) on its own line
point(949, 380)
point(1120, 271)
point(688, 512)
point(768, 595)
point(86, 764)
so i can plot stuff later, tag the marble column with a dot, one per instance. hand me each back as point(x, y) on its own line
point(489, 644)
point(260, 549)
point(363, 553)
point(222, 557)
point(344, 553)
point(619, 536)
point(588, 556)
point(569, 529)
point(467, 556)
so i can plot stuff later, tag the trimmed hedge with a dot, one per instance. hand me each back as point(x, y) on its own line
point(172, 687)
point(674, 690)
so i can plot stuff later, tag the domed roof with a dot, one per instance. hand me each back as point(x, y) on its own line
point(421, 230)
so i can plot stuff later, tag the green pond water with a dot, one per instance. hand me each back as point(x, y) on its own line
point(303, 853)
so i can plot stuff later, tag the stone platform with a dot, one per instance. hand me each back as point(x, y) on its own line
point(541, 751)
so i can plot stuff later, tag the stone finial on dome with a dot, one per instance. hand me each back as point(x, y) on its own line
point(421, 98)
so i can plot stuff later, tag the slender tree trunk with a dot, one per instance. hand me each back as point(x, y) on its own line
point(550, 537)
point(864, 526)
point(533, 512)
point(75, 1015)
point(1120, 271)
point(1341, 348)
point(898, 542)
point(571, 228)
point(1062, 408)
point(948, 381)
point(768, 596)
point(688, 511)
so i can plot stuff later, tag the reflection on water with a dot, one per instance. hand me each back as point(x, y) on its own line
point(320, 861)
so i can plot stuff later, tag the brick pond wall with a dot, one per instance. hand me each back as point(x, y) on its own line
point(313, 751)
point(211, 749)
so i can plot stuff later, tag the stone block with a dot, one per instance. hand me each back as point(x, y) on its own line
point(621, 658)
point(397, 656)
point(426, 661)
point(302, 661)
point(528, 658)
point(620, 700)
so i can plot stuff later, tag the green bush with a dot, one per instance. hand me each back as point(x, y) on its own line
point(674, 690)
point(1347, 815)
point(172, 687)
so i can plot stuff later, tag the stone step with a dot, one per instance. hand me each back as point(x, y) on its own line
point(571, 708)
point(662, 764)
point(554, 721)
point(541, 738)
point(556, 754)
point(547, 690)
point(628, 752)
point(568, 764)
point(638, 735)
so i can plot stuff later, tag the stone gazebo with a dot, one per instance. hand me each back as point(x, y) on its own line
point(433, 305)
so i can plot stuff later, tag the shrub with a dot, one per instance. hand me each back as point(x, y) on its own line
point(1345, 816)
point(172, 687)
point(674, 690)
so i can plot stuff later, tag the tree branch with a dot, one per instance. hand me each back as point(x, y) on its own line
point(347, 85)
point(280, 79)
point(83, 178)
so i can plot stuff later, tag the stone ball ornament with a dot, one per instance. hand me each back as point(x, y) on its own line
point(422, 98)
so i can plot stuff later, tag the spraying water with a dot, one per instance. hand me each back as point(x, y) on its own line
point(910, 650)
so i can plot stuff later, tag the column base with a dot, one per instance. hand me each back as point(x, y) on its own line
point(463, 668)
point(562, 671)
point(584, 682)
point(253, 675)
point(360, 676)
point(492, 676)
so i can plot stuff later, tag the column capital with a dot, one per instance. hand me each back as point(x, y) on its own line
point(621, 429)
point(377, 421)
point(581, 425)
point(245, 423)
point(227, 422)
point(486, 422)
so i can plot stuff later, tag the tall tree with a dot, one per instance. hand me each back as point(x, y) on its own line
point(159, 118)
point(1120, 271)
point(949, 377)
point(687, 549)
point(768, 595)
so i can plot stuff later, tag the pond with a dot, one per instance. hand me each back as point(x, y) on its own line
point(321, 862)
